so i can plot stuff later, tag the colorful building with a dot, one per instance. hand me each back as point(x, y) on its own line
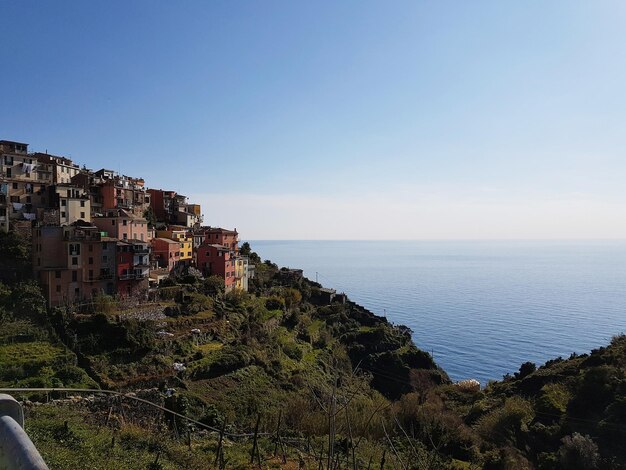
point(23, 184)
point(217, 260)
point(222, 236)
point(123, 225)
point(132, 267)
point(184, 238)
point(70, 203)
point(165, 253)
point(72, 263)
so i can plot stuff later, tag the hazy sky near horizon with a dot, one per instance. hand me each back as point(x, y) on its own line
point(337, 120)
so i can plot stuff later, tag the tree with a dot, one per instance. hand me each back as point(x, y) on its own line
point(213, 285)
point(245, 249)
point(579, 452)
point(291, 296)
point(27, 301)
point(148, 214)
point(15, 258)
point(525, 369)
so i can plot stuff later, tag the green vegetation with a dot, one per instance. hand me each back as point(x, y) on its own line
point(301, 368)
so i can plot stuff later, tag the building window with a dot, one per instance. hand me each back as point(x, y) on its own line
point(113, 222)
point(91, 274)
point(28, 199)
point(124, 222)
point(74, 276)
point(82, 203)
point(14, 184)
point(125, 236)
point(63, 215)
point(58, 289)
point(63, 203)
point(90, 260)
point(90, 247)
point(57, 274)
point(74, 261)
point(105, 259)
point(82, 215)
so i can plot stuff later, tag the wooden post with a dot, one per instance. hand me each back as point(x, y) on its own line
point(321, 465)
point(255, 442)
point(109, 416)
point(277, 437)
point(331, 425)
point(218, 452)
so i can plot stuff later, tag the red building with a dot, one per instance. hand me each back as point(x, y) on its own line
point(132, 266)
point(124, 268)
point(161, 203)
point(166, 252)
point(217, 260)
point(223, 237)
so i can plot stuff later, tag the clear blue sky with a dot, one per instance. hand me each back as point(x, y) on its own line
point(345, 120)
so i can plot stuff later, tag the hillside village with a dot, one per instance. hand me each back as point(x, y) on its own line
point(264, 367)
point(100, 232)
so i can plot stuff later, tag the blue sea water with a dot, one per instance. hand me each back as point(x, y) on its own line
point(481, 307)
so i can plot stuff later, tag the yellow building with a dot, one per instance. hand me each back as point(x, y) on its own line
point(241, 273)
point(180, 235)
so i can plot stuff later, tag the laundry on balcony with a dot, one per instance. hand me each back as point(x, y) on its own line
point(28, 167)
point(17, 206)
point(30, 216)
point(4, 188)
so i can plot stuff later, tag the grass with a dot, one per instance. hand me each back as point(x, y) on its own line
point(33, 361)
point(103, 448)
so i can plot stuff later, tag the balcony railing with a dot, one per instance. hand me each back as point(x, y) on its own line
point(132, 277)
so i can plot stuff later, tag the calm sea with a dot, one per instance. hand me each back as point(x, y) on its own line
point(481, 307)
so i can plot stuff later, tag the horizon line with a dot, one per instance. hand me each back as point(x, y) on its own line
point(431, 239)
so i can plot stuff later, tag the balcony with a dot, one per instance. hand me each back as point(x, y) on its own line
point(132, 277)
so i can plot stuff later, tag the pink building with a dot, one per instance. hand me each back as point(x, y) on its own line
point(123, 225)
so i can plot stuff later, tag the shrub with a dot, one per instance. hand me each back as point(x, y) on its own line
point(212, 285)
point(104, 304)
point(293, 351)
point(525, 369)
point(579, 452)
point(274, 302)
point(553, 399)
point(505, 425)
